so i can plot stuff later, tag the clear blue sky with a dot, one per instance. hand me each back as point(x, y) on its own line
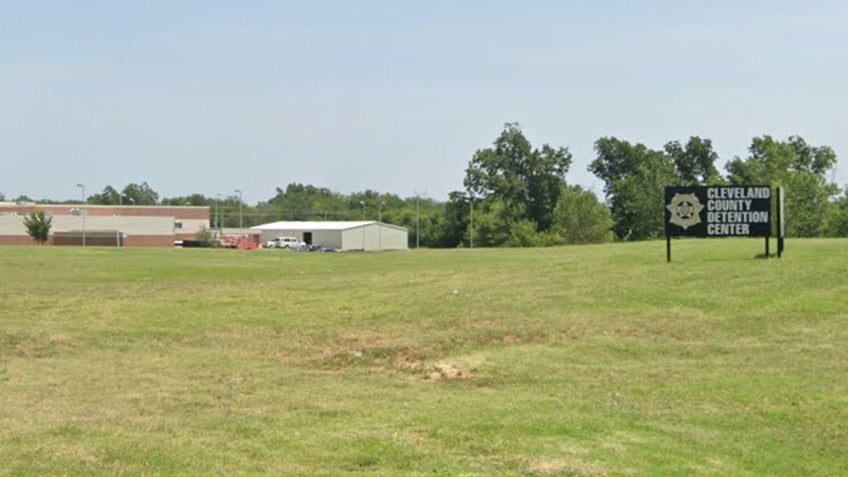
point(211, 96)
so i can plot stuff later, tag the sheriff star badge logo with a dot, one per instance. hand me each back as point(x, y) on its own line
point(685, 210)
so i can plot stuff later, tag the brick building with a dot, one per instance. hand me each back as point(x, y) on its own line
point(105, 225)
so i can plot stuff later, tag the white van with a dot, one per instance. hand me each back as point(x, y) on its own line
point(285, 242)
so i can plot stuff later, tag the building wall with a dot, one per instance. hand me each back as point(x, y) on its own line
point(375, 236)
point(147, 226)
point(200, 213)
point(21, 240)
point(393, 238)
point(267, 235)
point(352, 239)
point(328, 238)
point(149, 241)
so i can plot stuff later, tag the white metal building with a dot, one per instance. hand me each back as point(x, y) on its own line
point(353, 235)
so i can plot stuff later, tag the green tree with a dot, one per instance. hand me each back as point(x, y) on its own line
point(140, 194)
point(695, 162)
point(38, 225)
point(109, 196)
point(526, 181)
point(456, 220)
point(635, 179)
point(493, 225)
point(189, 200)
point(428, 213)
point(307, 202)
point(581, 218)
point(836, 224)
point(798, 167)
point(207, 237)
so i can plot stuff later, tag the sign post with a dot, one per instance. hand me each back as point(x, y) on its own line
point(718, 211)
point(781, 227)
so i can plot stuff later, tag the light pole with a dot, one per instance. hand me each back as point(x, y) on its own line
point(380, 225)
point(362, 203)
point(118, 228)
point(217, 223)
point(241, 222)
point(471, 232)
point(82, 212)
point(122, 240)
point(417, 224)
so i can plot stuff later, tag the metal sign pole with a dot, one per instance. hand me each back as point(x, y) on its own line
point(668, 249)
point(781, 230)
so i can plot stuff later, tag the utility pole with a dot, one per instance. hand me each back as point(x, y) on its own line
point(471, 232)
point(241, 221)
point(219, 214)
point(417, 224)
point(380, 224)
point(118, 228)
point(362, 203)
point(82, 212)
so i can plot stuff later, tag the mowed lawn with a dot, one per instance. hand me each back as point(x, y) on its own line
point(574, 361)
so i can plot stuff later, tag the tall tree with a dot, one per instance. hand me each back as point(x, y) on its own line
point(109, 196)
point(497, 225)
point(191, 199)
point(526, 181)
point(456, 220)
point(581, 218)
point(837, 217)
point(307, 202)
point(798, 167)
point(635, 178)
point(141, 194)
point(695, 162)
point(38, 225)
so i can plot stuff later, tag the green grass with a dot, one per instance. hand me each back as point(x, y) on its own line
point(576, 361)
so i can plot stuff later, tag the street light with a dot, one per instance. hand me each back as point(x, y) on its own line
point(82, 212)
point(362, 203)
point(471, 232)
point(118, 228)
point(417, 223)
point(217, 222)
point(380, 225)
point(241, 221)
point(118, 241)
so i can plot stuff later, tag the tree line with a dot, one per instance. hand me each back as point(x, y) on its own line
point(517, 195)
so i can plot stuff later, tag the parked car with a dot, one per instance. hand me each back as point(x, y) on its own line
point(285, 242)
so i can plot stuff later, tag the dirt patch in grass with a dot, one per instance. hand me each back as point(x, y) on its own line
point(570, 466)
point(448, 371)
point(420, 362)
point(376, 352)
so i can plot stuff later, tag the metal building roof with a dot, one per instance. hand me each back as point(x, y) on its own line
point(312, 226)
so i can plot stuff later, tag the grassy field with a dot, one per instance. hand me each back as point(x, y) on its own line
point(576, 361)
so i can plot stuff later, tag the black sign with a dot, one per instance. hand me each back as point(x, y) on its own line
point(720, 211)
